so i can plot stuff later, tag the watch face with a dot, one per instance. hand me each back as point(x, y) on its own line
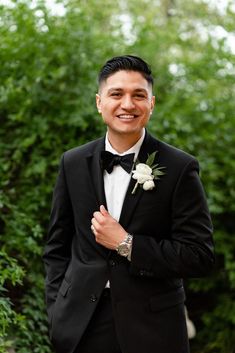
point(123, 249)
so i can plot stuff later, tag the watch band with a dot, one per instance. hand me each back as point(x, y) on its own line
point(129, 239)
point(125, 247)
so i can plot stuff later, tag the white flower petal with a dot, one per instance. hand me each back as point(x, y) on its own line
point(143, 169)
point(141, 178)
point(148, 185)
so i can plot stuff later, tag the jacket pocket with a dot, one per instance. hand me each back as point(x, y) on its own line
point(166, 300)
point(64, 287)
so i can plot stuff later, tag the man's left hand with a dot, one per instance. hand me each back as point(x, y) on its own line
point(108, 232)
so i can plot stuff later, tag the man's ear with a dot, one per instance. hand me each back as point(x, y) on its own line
point(153, 100)
point(98, 102)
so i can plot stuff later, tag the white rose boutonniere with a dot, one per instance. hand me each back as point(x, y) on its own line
point(145, 173)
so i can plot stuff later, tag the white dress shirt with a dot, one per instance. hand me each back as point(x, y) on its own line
point(116, 183)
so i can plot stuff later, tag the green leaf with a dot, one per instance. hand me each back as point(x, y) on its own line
point(151, 159)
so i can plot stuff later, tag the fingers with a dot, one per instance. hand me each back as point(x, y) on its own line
point(94, 225)
point(100, 220)
point(107, 231)
point(97, 231)
point(99, 215)
point(103, 210)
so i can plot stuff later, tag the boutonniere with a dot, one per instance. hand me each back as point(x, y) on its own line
point(146, 173)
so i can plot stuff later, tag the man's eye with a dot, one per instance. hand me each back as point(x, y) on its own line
point(115, 94)
point(139, 95)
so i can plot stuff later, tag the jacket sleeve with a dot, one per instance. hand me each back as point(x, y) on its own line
point(188, 250)
point(57, 251)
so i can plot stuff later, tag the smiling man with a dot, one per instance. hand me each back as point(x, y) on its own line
point(129, 220)
point(126, 101)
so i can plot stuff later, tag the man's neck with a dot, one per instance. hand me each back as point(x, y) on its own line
point(123, 142)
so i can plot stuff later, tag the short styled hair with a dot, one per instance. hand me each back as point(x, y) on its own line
point(128, 63)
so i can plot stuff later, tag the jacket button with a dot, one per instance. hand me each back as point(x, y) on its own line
point(112, 263)
point(142, 272)
point(93, 298)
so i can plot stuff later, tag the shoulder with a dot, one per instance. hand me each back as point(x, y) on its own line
point(84, 151)
point(174, 153)
point(172, 156)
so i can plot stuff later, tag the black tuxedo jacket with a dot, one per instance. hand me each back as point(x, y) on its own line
point(172, 240)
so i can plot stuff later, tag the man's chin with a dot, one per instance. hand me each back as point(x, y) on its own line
point(126, 131)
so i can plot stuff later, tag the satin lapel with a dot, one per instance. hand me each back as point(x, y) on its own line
point(149, 146)
point(96, 173)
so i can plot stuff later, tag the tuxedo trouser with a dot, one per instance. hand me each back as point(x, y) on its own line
point(100, 335)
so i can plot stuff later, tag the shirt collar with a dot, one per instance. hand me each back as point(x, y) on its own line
point(134, 149)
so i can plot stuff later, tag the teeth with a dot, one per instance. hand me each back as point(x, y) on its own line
point(126, 116)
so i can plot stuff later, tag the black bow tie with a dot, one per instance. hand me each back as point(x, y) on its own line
point(109, 160)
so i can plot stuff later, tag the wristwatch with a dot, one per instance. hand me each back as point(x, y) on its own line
point(125, 247)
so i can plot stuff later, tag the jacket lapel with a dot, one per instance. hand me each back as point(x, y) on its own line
point(96, 173)
point(149, 146)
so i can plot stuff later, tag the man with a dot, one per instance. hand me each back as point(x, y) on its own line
point(124, 231)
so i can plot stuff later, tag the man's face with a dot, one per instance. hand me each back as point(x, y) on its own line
point(125, 101)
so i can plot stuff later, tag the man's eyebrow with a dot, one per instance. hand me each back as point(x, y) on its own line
point(140, 90)
point(114, 89)
point(121, 89)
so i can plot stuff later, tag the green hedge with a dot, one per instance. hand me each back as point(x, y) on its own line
point(48, 73)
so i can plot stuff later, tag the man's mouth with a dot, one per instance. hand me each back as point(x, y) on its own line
point(127, 116)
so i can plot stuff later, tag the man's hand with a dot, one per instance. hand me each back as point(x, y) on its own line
point(108, 232)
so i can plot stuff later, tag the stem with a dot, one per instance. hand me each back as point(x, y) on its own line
point(135, 187)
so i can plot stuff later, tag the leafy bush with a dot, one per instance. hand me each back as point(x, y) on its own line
point(12, 273)
point(49, 66)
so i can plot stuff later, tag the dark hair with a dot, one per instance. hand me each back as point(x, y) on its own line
point(128, 63)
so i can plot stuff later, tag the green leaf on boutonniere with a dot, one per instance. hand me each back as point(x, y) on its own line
point(157, 172)
point(151, 158)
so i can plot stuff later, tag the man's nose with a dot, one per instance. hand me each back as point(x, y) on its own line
point(127, 102)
